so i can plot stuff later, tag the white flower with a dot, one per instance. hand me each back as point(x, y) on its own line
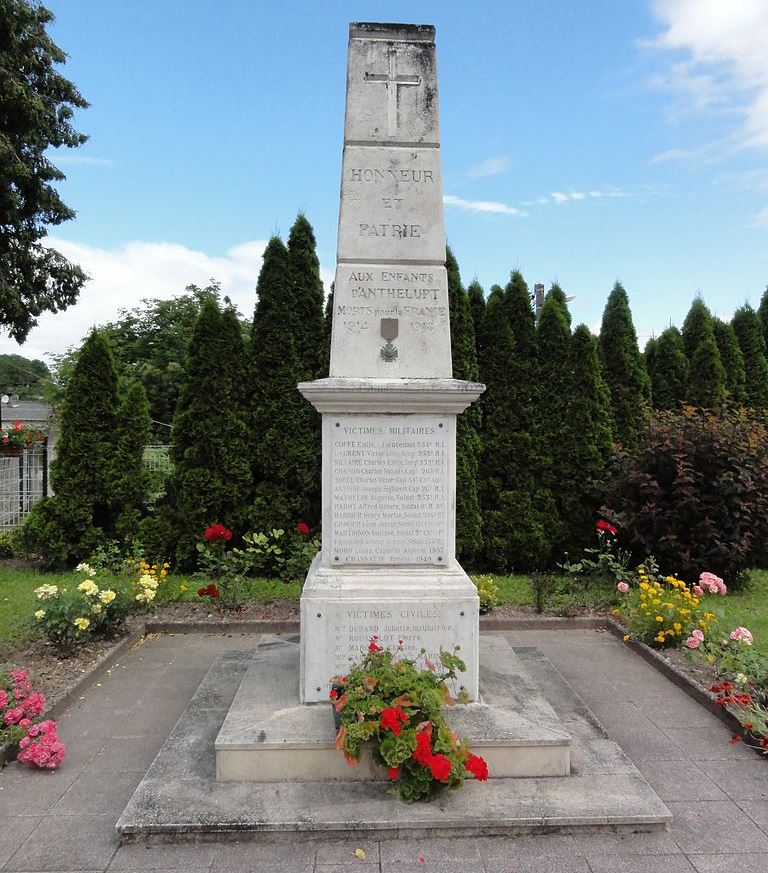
point(46, 592)
point(40, 614)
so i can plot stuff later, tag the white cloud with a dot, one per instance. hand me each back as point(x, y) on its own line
point(486, 206)
point(673, 155)
point(490, 167)
point(122, 277)
point(761, 219)
point(76, 160)
point(725, 58)
point(560, 197)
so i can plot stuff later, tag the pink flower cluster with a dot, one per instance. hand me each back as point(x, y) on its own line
point(695, 639)
point(41, 747)
point(741, 634)
point(708, 582)
point(19, 705)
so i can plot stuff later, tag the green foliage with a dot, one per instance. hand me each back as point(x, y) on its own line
point(706, 386)
point(327, 331)
point(607, 563)
point(307, 293)
point(749, 333)
point(396, 709)
point(668, 369)
point(476, 308)
point(733, 361)
point(694, 492)
point(277, 554)
point(285, 450)
point(623, 368)
point(586, 436)
point(85, 506)
point(696, 328)
point(469, 524)
point(516, 509)
point(488, 592)
point(131, 477)
point(24, 377)
point(210, 438)
point(762, 312)
point(36, 108)
point(9, 544)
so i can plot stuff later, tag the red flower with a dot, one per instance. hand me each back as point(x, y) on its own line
point(202, 592)
point(477, 767)
point(735, 739)
point(606, 527)
point(333, 694)
point(423, 753)
point(373, 646)
point(303, 528)
point(440, 767)
point(210, 591)
point(393, 773)
point(217, 532)
point(391, 719)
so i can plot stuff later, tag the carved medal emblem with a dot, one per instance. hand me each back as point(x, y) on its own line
point(389, 330)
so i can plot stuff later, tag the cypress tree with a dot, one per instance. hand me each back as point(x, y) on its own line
point(706, 387)
point(209, 438)
point(131, 477)
point(696, 328)
point(587, 439)
point(748, 330)
point(762, 311)
point(469, 528)
point(553, 335)
point(515, 507)
point(327, 331)
point(68, 526)
point(476, 307)
point(733, 361)
point(668, 369)
point(307, 293)
point(285, 456)
point(623, 368)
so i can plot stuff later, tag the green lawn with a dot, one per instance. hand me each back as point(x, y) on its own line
point(748, 608)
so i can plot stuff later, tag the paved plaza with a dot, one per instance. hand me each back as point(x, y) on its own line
point(717, 792)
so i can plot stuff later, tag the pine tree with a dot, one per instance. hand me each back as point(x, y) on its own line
point(733, 361)
point(68, 526)
point(762, 311)
point(706, 386)
point(623, 368)
point(476, 307)
point(209, 436)
point(553, 335)
point(307, 293)
point(748, 329)
point(131, 477)
point(469, 528)
point(515, 506)
point(696, 328)
point(285, 457)
point(587, 438)
point(668, 369)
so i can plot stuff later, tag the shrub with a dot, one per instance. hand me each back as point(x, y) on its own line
point(488, 592)
point(9, 544)
point(21, 724)
point(695, 491)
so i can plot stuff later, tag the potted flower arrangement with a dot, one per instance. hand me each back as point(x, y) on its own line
point(387, 704)
point(17, 437)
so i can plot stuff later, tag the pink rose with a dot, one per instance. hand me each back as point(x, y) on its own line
point(623, 587)
point(3, 698)
point(697, 634)
point(698, 590)
point(19, 676)
point(713, 584)
point(14, 716)
point(34, 704)
point(741, 634)
point(693, 642)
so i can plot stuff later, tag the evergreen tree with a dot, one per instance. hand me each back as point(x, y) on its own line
point(696, 328)
point(516, 508)
point(667, 368)
point(307, 292)
point(553, 336)
point(209, 438)
point(748, 329)
point(733, 361)
point(285, 455)
point(623, 368)
point(587, 440)
point(762, 311)
point(706, 386)
point(468, 518)
point(131, 477)
point(68, 526)
point(476, 307)
point(327, 332)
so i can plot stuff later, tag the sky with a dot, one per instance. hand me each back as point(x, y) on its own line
point(581, 143)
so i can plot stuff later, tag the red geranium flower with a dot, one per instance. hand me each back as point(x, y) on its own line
point(202, 592)
point(302, 528)
point(393, 772)
point(373, 646)
point(606, 527)
point(217, 532)
point(423, 752)
point(477, 767)
point(391, 719)
point(440, 767)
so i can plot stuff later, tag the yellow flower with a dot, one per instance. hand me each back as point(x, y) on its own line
point(46, 592)
point(678, 627)
point(88, 588)
point(182, 588)
point(659, 638)
point(107, 596)
point(40, 614)
point(96, 609)
point(659, 618)
point(82, 624)
point(626, 637)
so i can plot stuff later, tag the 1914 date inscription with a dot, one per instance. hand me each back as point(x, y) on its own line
point(390, 489)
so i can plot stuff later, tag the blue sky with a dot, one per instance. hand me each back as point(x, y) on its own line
point(582, 142)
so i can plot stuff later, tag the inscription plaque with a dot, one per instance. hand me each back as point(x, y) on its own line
point(389, 496)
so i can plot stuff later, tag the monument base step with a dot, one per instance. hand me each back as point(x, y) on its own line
point(180, 799)
point(269, 736)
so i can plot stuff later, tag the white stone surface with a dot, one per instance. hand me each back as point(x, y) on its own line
point(392, 86)
point(366, 294)
point(391, 205)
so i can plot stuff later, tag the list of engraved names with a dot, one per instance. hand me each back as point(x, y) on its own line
point(390, 477)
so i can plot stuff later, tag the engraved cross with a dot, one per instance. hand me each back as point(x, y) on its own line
point(393, 83)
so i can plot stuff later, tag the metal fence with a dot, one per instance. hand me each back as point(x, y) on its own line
point(23, 481)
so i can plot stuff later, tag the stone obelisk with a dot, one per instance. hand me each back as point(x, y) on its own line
point(389, 406)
